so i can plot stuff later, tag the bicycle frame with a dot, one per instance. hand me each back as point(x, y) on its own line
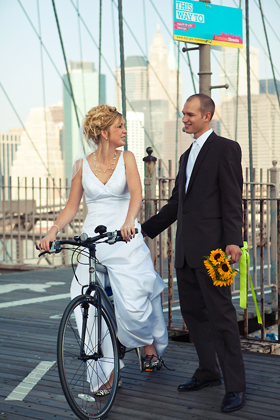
point(96, 286)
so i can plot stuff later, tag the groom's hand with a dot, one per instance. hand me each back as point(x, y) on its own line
point(143, 233)
point(235, 253)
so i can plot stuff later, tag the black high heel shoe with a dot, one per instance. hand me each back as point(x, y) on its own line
point(152, 363)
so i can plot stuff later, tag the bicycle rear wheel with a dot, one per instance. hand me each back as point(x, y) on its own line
point(82, 370)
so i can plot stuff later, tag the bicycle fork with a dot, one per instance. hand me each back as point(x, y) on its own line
point(97, 300)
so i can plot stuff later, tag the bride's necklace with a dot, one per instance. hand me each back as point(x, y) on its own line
point(110, 167)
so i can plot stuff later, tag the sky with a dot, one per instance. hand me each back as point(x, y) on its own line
point(23, 68)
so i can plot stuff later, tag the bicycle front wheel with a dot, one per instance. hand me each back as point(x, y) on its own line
point(83, 365)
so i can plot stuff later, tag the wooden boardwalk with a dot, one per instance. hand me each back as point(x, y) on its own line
point(30, 308)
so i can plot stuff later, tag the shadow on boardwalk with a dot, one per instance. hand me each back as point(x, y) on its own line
point(30, 309)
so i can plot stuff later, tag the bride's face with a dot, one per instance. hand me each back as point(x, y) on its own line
point(117, 133)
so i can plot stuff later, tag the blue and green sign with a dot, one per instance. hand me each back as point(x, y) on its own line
point(206, 23)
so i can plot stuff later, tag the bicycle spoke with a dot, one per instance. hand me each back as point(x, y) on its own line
point(82, 370)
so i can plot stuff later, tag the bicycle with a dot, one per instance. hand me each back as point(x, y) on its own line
point(81, 348)
point(87, 349)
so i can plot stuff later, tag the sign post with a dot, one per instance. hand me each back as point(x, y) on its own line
point(203, 23)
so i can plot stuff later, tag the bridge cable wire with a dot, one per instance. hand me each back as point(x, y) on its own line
point(28, 135)
point(154, 71)
point(122, 62)
point(82, 61)
point(270, 57)
point(170, 34)
point(258, 39)
point(43, 83)
point(47, 52)
point(110, 70)
point(148, 73)
point(66, 66)
point(189, 64)
point(252, 71)
point(237, 89)
point(177, 111)
point(245, 107)
point(115, 49)
point(100, 42)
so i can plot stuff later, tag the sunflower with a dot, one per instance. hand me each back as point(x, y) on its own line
point(210, 269)
point(226, 274)
point(217, 256)
point(225, 270)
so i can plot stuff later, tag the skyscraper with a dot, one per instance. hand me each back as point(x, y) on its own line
point(136, 81)
point(136, 139)
point(228, 74)
point(265, 129)
point(163, 74)
point(9, 143)
point(229, 70)
point(151, 88)
point(183, 143)
point(39, 154)
point(85, 85)
point(268, 86)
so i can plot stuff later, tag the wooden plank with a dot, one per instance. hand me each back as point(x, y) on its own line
point(28, 336)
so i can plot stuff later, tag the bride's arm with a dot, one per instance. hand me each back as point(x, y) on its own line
point(135, 190)
point(68, 213)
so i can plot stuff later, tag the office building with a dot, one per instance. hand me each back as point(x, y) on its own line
point(38, 155)
point(151, 88)
point(9, 143)
point(136, 139)
point(163, 74)
point(229, 70)
point(265, 129)
point(57, 116)
point(155, 113)
point(172, 149)
point(85, 85)
point(136, 81)
point(268, 86)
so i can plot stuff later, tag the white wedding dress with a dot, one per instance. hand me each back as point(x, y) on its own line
point(135, 284)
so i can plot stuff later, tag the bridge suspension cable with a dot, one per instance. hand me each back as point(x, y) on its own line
point(148, 73)
point(110, 70)
point(170, 34)
point(82, 60)
point(65, 62)
point(100, 58)
point(43, 82)
point(47, 52)
point(270, 57)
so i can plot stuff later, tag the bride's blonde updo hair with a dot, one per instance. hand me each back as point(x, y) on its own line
point(99, 118)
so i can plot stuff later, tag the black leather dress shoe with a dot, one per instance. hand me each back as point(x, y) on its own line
point(233, 401)
point(195, 384)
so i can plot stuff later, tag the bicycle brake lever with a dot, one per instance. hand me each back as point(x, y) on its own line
point(112, 239)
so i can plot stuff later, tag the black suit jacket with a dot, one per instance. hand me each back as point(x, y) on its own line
point(209, 215)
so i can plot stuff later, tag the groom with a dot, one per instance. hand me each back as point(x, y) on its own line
point(207, 203)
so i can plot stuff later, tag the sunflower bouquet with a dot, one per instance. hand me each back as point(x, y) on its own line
point(219, 269)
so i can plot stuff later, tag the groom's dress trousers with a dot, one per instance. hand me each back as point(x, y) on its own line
point(208, 210)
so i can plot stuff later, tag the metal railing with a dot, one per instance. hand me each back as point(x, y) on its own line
point(30, 207)
point(261, 231)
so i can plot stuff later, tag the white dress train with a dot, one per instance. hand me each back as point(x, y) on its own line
point(135, 284)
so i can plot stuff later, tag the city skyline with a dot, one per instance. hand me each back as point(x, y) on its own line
point(21, 50)
point(157, 102)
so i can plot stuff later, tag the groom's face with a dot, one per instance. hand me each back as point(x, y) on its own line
point(195, 123)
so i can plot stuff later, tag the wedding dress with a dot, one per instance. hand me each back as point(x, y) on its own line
point(135, 284)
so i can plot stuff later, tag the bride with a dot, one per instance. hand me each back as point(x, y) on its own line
point(110, 180)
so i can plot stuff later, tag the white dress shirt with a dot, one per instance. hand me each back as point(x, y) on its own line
point(196, 146)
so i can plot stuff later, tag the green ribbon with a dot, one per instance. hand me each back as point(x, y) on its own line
point(244, 263)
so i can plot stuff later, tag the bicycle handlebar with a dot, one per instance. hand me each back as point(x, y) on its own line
point(113, 237)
